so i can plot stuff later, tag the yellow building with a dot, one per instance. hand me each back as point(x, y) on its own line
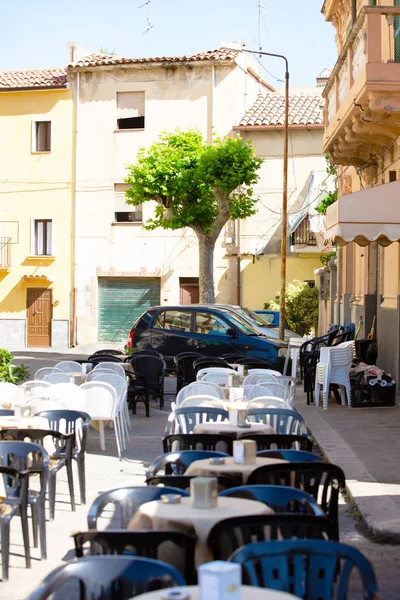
point(36, 253)
point(362, 135)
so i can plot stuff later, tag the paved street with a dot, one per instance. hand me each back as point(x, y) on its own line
point(105, 471)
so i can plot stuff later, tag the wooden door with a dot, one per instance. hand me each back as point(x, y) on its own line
point(39, 308)
point(189, 293)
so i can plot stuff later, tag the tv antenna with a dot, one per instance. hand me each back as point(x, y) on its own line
point(260, 8)
point(149, 26)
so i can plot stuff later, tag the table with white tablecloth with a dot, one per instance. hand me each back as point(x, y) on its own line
point(229, 467)
point(224, 428)
point(247, 592)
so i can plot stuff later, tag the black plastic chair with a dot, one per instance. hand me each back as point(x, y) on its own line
point(6, 412)
point(126, 501)
point(176, 463)
point(26, 456)
point(281, 498)
point(185, 372)
point(321, 480)
point(183, 482)
point(109, 577)
point(146, 543)
point(138, 391)
point(283, 420)
point(152, 368)
point(147, 352)
point(9, 507)
point(281, 440)
point(230, 534)
point(232, 358)
point(62, 457)
point(96, 359)
point(76, 422)
point(198, 441)
point(254, 362)
point(207, 362)
point(183, 420)
point(306, 568)
point(108, 352)
point(291, 455)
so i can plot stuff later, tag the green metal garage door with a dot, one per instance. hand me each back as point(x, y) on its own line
point(121, 302)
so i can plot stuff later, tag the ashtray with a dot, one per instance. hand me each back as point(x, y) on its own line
point(219, 460)
point(244, 425)
point(171, 498)
point(175, 595)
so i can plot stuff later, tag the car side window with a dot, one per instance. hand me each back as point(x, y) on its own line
point(159, 321)
point(207, 323)
point(269, 317)
point(177, 320)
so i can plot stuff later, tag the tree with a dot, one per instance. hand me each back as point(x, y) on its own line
point(196, 185)
point(302, 306)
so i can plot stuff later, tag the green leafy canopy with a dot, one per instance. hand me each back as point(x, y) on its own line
point(185, 176)
point(302, 306)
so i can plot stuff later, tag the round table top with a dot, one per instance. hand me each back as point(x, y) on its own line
point(247, 592)
point(235, 405)
point(223, 427)
point(204, 467)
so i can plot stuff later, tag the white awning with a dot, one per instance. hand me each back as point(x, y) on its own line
point(371, 215)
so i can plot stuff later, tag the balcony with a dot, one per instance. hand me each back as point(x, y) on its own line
point(5, 253)
point(362, 95)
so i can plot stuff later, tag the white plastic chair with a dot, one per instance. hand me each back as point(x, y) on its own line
point(276, 389)
point(217, 388)
point(255, 391)
point(121, 387)
point(101, 404)
point(202, 401)
point(58, 377)
point(34, 386)
point(109, 366)
point(218, 375)
point(196, 389)
point(290, 384)
point(69, 366)
point(9, 393)
point(268, 402)
point(334, 367)
point(263, 372)
point(42, 373)
point(43, 403)
point(69, 393)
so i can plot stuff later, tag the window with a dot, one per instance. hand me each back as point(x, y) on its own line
point(392, 176)
point(123, 212)
point(177, 320)
point(159, 321)
point(130, 110)
point(41, 136)
point(43, 237)
point(210, 324)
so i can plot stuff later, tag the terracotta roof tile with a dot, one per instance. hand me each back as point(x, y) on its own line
point(269, 109)
point(98, 60)
point(36, 78)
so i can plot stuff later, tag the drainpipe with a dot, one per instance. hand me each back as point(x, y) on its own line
point(238, 273)
point(74, 332)
point(353, 11)
point(338, 290)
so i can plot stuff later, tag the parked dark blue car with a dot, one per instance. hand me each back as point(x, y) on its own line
point(211, 331)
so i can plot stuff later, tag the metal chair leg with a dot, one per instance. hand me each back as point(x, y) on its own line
point(5, 548)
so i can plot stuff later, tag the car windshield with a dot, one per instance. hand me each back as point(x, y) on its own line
point(243, 325)
point(254, 317)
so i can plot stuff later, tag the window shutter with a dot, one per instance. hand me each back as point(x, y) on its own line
point(130, 104)
point(396, 32)
point(120, 198)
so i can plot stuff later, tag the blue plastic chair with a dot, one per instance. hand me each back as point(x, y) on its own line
point(183, 420)
point(281, 419)
point(310, 569)
point(108, 577)
point(6, 412)
point(128, 500)
point(291, 455)
point(281, 498)
point(176, 463)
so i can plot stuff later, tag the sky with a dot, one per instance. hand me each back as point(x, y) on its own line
point(34, 33)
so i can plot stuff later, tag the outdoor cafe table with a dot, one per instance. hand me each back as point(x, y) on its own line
point(205, 467)
point(226, 428)
point(29, 423)
point(200, 521)
point(247, 592)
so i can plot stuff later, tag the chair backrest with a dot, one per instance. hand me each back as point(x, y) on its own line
point(217, 388)
point(116, 368)
point(218, 375)
point(24, 456)
point(69, 366)
point(281, 440)
point(208, 362)
point(254, 362)
point(61, 442)
point(176, 463)
point(291, 455)
point(6, 412)
point(71, 394)
point(257, 378)
point(197, 388)
point(305, 568)
point(101, 400)
point(322, 480)
point(206, 401)
point(268, 402)
point(41, 373)
point(264, 372)
point(183, 481)
point(151, 367)
point(281, 498)
point(140, 543)
point(276, 389)
point(255, 391)
point(126, 501)
point(96, 359)
point(228, 535)
point(34, 386)
point(282, 420)
point(185, 372)
point(147, 352)
point(108, 352)
point(232, 358)
point(57, 377)
point(198, 441)
point(183, 420)
point(44, 403)
point(103, 577)
point(69, 421)
point(9, 392)
point(118, 383)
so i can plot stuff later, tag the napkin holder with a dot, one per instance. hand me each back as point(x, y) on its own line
point(204, 492)
point(24, 412)
point(244, 452)
point(233, 380)
point(240, 370)
point(237, 417)
point(236, 394)
point(219, 579)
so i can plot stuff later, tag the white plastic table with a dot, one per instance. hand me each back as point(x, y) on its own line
point(247, 592)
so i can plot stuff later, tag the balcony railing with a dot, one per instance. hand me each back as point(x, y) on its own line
point(302, 235)
point(5, 252)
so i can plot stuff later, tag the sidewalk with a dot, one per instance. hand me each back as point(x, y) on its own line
point(365, 443)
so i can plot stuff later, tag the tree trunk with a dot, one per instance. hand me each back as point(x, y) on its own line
point(206, 269)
